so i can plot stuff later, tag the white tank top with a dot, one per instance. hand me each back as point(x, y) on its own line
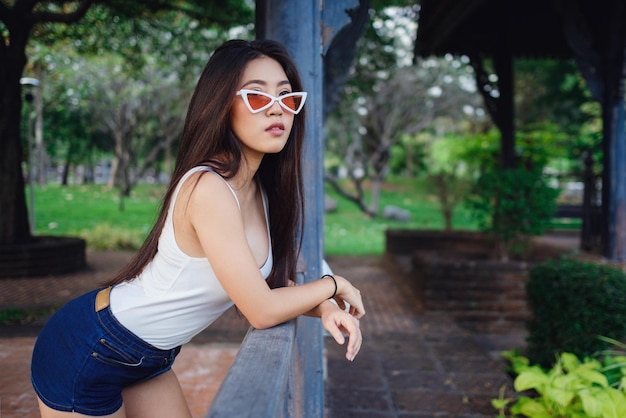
point(176, 296)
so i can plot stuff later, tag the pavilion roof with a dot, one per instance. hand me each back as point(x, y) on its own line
point(525, 28)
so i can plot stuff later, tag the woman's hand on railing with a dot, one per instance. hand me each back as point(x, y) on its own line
point(340, 324)
point(349, 295)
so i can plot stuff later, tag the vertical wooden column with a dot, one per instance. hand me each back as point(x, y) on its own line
point(298, 25)
point(503, 63)
point(614, 150)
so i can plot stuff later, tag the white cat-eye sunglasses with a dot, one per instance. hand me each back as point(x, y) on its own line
point(257, 101)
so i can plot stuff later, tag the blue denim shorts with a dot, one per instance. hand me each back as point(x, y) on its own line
point(83, 359)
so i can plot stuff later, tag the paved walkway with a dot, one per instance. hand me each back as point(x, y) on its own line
point(412, 364)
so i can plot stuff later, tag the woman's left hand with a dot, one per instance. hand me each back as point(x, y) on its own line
point(340, 324)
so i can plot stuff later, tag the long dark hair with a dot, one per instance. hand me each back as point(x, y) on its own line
point(207, 134)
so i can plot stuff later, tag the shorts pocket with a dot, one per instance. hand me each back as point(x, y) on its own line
point(108, 352)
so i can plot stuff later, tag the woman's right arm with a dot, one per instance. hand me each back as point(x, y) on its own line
point(219, 226)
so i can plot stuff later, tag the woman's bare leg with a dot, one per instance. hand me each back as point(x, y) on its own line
point(160, 397)
point(47, 412)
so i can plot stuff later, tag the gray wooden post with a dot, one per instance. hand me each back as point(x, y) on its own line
point(298, 24)
point(614, 161)
point(602, 62)
point(614, 174)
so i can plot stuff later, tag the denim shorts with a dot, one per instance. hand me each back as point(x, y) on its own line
point(83, 359)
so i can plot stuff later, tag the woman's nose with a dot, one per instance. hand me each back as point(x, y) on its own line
point(275, 109)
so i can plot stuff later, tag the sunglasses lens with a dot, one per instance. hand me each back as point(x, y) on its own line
point(292, 102)
point(257, 101)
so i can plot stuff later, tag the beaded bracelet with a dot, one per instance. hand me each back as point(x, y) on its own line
point(334, 281)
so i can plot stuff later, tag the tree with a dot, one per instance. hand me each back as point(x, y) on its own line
point(155, 64)
point(448, 173)
point(388, 98)
point(18, 20)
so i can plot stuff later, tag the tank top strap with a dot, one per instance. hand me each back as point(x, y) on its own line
point(195, 170)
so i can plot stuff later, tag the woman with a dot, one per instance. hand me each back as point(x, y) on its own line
point(231, 217)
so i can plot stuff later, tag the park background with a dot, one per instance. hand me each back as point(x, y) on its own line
point(410, 144)
point(113, 95)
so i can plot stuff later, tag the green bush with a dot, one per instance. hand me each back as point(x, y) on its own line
point(15, 316)
point(511, 205)
point(572, 302)
point(572, 388)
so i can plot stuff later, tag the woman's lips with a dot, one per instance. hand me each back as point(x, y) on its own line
point(276, 129)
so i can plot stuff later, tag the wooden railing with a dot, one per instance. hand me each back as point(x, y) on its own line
point(277, 373)
point(260, 381)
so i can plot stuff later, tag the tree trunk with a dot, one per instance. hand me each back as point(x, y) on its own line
point(66, 170)
point(14, 226)
point(357, 197)
point(40, 148)
point(377, 182)
point(445, 200)
point(115, 163)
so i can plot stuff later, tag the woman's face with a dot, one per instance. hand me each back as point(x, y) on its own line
point(267, 131)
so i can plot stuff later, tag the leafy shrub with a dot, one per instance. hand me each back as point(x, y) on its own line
point(511, 205)
point(106, 237)
point(11, 315)
point(15, 316)
point(572, 302)
point(571, 388)
point(448, 175)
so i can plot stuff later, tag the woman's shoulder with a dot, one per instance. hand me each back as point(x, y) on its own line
point(204, 184)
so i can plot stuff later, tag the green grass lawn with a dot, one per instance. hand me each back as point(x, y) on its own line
point(71, 209)
point(348, 231)
point(94, 213)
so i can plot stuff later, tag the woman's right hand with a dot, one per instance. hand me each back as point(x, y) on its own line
point(350, 295)
point(340, 324)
